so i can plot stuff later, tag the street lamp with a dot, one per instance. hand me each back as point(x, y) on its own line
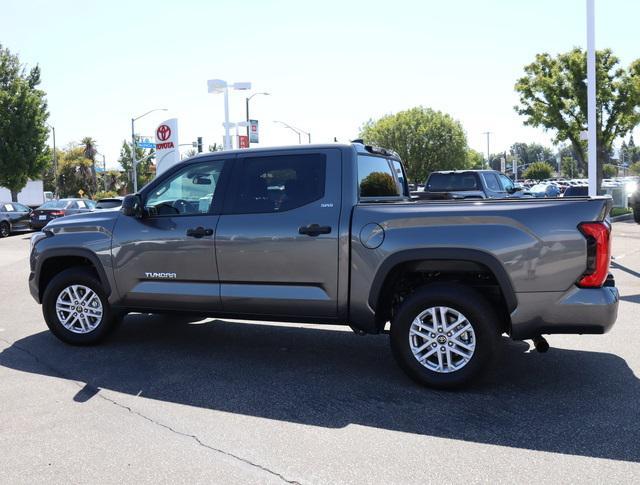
point(133, 146)
point(247, 101)
point(298, 131)
point(55, 159)
point(216, 86)
point(104, 169)
point(488, 133)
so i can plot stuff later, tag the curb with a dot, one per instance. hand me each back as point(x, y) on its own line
point(623, 217)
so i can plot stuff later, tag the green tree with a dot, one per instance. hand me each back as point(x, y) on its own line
point(609, 170)
point(146, 169)
point(475, 159)
point(527, 153)
point(74, 173)
point(629, 152)
point(538, 171)
point(635, 168)
point(89, 149)
point(191, 152)
point(23, 129)
point(553, 95)
point(425, 139)
point(569, 167)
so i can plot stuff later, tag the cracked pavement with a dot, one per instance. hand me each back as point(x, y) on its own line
point(227, 402)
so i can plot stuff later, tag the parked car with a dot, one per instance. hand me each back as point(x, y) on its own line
point(339, 242)
point(14, 217)
point(576, 191)
point(54, 209)
point(108, 203)
point(545, 190)
point(634, 203)
point(470, 184)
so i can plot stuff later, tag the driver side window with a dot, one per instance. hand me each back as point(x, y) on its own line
point(189, 191)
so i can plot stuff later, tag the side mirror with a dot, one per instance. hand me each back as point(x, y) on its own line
point(132, 206)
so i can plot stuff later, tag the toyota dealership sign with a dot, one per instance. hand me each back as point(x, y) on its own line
point(167, 153)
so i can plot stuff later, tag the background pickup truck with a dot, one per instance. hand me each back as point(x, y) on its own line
point(469, 184)
point(329, 234)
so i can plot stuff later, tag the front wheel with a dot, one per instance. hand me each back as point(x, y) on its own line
point(636, 214)
point(76, 308)
point(445, 335)
point(5, 230)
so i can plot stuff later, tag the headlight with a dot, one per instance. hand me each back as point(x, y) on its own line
point(37, 237)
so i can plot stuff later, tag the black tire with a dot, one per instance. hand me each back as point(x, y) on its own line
point(5, 229)
point(479, 313)
point(84, 277)
point(636, 214)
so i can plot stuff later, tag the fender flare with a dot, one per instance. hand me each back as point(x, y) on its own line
point(442, 254)
point(53, 253)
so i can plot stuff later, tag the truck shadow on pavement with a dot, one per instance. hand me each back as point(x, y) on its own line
point(565, 401)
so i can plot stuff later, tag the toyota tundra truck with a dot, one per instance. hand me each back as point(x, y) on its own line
point(328, 234)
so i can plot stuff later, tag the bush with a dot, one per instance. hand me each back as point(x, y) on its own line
point(635, 168)
point(538, 171)
point(105, 194)
point(609, 171)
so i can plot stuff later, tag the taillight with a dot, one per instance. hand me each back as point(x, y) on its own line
point(56, 213)
point(598, 236)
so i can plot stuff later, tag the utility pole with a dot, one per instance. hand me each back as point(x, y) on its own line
point(55, 161)
point(133, 157)
point(591, 99)
point(488, 133)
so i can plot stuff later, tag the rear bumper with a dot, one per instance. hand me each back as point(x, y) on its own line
point(576, 311)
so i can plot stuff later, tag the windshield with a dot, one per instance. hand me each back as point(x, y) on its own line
point(447, 182)
point(54, 204)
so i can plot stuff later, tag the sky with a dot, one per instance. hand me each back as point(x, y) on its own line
point(328, 66)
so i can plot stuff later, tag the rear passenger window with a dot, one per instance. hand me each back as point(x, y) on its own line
point(279, 183)
point(492, 181)
point(375, 177)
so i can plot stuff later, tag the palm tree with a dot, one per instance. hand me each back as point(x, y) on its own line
point(89, 150)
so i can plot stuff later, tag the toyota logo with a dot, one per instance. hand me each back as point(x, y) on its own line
point(163, 132)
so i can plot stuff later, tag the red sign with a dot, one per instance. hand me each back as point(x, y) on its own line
point(163, 132)
point(243, 141)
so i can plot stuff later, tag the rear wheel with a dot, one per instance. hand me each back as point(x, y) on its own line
point(445, 335)
point(5, 230)
point(76, 308)
point(636, 214)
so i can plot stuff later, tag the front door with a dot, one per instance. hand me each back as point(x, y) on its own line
point(277, 241)
point(18, 214)
point(166, 259)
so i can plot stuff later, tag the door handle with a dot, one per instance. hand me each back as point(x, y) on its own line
point(314, 230)
point(199, 232)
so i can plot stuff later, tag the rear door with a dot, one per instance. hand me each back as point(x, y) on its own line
point(277, 241)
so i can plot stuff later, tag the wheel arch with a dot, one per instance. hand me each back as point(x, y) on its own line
point(436, 260)
point(54, 260)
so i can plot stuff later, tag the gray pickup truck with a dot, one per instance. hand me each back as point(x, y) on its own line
point(329, 234)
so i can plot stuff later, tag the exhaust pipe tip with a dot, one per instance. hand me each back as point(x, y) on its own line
point(541, 344)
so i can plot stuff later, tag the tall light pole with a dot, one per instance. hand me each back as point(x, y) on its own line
point(134, 162)
point(591, 98)
point(55, 159)
point(104, 169)
point(488, 133)
point(215, 86)
point(247, 101)
point(298, 131)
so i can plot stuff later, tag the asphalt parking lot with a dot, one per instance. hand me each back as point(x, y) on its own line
point(227, 402)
